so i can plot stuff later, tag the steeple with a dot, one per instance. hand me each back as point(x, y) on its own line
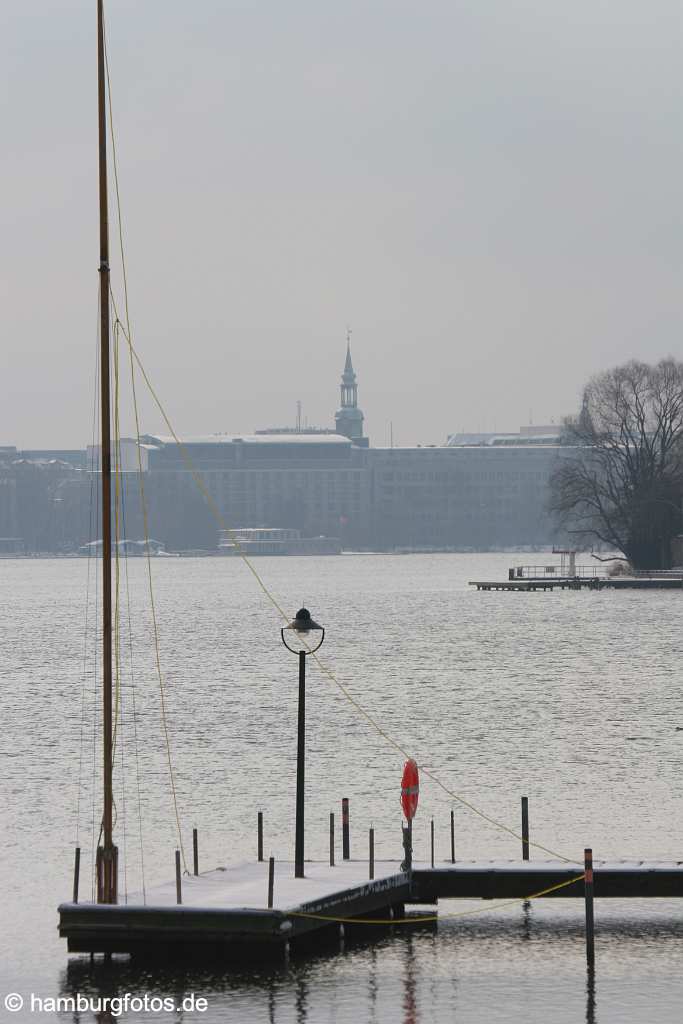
point(349, 388)
point(348, 366)
point(349, 418)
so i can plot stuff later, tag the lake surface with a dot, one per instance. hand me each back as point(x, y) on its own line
point(571, 698)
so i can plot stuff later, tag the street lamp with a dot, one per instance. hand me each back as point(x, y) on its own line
point(302, 624)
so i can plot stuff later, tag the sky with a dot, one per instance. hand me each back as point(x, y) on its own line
point(487, 192)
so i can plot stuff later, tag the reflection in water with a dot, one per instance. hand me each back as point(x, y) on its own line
point(409, 982)
point(271, 1001)
point(301, 999)
point(590, 995)
point(372, 984)
point(491, 964)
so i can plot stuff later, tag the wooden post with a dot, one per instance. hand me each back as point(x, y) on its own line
point(372, 853)
point(195, 851)
point(77, 871)
point(525, 828)
point(431, 839)
point(452, 838)
point(271, 880)
point(259, 836)
point(590, 923)
point(331, 839)
point(107, 887)
point(178, 885)
point(346, 854)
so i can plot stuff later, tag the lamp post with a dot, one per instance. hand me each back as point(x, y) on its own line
point(302, 624)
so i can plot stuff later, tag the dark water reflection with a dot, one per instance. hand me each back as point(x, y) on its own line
point(530, 968)
point(590, 995)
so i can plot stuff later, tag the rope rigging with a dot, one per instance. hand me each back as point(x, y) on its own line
point(122, 327)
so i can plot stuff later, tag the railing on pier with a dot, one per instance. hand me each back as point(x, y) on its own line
point(559, 572)
point(649, 574)
point(535, 572)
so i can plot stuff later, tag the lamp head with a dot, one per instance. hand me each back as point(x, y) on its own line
point(303, 623)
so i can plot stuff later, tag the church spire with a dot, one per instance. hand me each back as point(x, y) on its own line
point(349, 388)
point(348, 367)
point(349, 418)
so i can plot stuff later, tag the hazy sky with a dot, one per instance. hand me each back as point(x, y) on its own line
point(489, 192)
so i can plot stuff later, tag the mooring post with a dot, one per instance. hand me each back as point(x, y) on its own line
point(525, 828)
point(346, 854)
point(407, 831)
point(178, 884)
point(452, 837)
point(195, 851)
point(590, 922)
point(331, 839)
point(259, 836)
point(271, 880)
point(431, 839)
point(77, 871)
point(371, 853)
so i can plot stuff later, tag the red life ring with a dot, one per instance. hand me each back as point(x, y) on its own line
point(410, 789)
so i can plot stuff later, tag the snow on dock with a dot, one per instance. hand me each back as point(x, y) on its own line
point(245, 885)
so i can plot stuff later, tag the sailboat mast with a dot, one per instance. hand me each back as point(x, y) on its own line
point(107, 856)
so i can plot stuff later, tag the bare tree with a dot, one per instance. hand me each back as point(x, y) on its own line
point(622, 480)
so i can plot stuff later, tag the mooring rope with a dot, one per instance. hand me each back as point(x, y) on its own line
point(371, 721)
point(321, 665)
point(127, 334)
point(86, 632)
point(420, 919)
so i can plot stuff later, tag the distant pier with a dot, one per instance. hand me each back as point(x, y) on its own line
point(536, 577)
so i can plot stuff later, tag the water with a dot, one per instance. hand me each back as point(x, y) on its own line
point(571, 698)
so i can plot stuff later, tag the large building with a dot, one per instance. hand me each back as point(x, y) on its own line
point(474, 492)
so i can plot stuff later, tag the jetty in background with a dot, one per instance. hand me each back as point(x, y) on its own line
point(582, 577)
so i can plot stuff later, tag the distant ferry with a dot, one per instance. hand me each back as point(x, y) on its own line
point(263, 540)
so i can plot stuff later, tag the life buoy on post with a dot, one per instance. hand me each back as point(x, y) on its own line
point(410, 789)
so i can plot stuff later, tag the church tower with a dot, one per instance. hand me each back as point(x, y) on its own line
point(349, 418)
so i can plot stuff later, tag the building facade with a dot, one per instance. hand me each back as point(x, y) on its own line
point(474, 492)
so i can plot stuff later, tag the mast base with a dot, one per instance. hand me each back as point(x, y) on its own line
point(107, 866)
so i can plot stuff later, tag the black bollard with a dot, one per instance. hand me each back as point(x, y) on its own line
point(77, 871)
point(195, 851)
point(407, 846)
point(371, 854)
point(431, 839)
point(178, 885)
point(271, 880)
point(331, 839)
point(590, 923)
point(452, 838)
point(259, 836)
point(525, 828)
point(346, 854)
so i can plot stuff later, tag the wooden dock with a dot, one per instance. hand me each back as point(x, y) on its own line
point(225, 912)
point(582, 583)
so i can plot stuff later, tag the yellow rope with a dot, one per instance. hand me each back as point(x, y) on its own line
point(235, 541)
point(127, 333)
point(420, 919)
point(321, 665)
